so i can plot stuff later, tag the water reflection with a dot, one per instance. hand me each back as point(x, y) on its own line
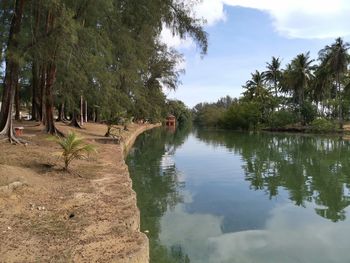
point(157, 182)
point(312, 169)
point(217, 197)
point(285, 240)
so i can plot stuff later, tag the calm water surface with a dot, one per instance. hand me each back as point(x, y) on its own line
point(208, 196)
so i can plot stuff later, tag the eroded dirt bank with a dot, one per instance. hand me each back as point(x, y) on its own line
point(89, 215)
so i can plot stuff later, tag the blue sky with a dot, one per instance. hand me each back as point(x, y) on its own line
point(243, 37)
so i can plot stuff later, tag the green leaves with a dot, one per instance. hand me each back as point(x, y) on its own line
point(73, 148)
point(107, 51)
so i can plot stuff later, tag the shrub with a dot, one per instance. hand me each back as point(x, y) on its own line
point(323, 125)
point(209, 116)
point(281, 118)
point(73, 148)
point(308, 112)
point(242, 116)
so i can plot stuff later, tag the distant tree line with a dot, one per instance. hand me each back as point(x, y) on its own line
point(306, 92)
point(59, 56)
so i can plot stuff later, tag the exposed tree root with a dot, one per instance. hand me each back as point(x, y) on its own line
point(75, 123)
point(12, 139)
point(8, 134)
point(54, 131)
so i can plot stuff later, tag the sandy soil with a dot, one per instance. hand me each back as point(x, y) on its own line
point(88, 215)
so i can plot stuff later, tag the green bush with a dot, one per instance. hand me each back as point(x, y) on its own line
point(210, 116)
point(323, 125)
point(308, 112)
point(241, 116)
point(281, 118)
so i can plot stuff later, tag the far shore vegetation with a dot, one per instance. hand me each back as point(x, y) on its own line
point(307, 95)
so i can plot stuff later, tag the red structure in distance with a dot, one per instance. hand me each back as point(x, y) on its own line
point(170, 121)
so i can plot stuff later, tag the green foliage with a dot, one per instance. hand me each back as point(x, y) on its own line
point(298, 76)
point(153, 204)
point(322, 125)
point(209, 115)
point(242, 116)
point(273, 74)
point(73, 148)
point(179, 110)
point(108, 51)
point(205, 114)
point(307, 89)
point(282, 118)
point(308, 112)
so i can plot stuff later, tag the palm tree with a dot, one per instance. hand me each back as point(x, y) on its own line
point(286, 80)
point(255, 87)
point(73, 148)
point(337, 59)
point(257, 92)
point(273, 73)
point(299, 76)
point(321, 85)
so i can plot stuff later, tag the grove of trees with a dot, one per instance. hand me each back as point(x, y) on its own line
point(105, 55)
point(305, 92)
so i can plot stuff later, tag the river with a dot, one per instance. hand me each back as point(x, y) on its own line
point(231, 197)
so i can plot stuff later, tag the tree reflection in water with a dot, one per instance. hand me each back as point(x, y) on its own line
point(311, 168)
point(156, 182)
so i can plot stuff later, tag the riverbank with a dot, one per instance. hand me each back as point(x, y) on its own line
point(296, 129)
point(310, 130)
point(89, 215)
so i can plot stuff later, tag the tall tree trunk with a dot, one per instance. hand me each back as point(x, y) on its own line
point(65, 115)
point(11, 74)
point(17, 104)
point(49, 119)
point(36, 93)
point(276, 91)
point(60, 109)
point(300, 101)
point(36, 88)
point(75, 122)
point(81, 111)
point(86, 111)
point(42, 93)
point(97, 115)
point(61, 112)
point(340, 106)
point(51, 71)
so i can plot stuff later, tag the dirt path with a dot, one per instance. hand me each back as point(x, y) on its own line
point(47, 215)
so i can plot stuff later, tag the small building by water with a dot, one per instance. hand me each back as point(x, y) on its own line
point(170, 121)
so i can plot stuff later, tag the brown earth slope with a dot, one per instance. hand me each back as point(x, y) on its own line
point(88, 215)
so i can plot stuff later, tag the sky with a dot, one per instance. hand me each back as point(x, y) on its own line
point(245, 34)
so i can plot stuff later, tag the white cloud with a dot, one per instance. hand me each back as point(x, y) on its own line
point(298, 236)
point(292, 234)
point(291, 18)
point(174, 41)
point(304, 18)
point(211, 10)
